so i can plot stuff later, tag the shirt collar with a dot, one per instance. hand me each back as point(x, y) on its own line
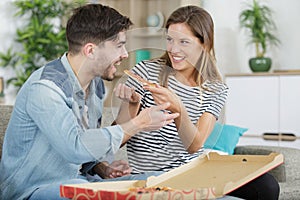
point(76, 85)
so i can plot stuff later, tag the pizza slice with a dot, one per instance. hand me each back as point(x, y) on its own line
point(139, 79)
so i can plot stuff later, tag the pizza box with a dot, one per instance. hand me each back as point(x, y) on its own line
point(206, 177)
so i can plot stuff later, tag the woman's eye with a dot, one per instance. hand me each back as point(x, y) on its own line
point(169, 39)
point(185, 42)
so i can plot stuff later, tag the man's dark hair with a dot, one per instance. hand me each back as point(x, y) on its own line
point(94, 23)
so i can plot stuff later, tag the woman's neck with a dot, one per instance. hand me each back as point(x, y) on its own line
point(186, 77)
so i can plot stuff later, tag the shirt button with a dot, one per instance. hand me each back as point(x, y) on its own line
point(80, 107)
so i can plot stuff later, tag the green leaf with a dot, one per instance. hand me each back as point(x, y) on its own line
point(257, 21)
point(36, 37)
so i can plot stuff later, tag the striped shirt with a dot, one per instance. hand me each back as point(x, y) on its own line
point(163, 150)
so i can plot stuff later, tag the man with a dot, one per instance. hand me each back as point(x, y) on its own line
point(54, 127)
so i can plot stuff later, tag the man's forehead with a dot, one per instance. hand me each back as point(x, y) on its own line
point(120, 37)
point(115, 40)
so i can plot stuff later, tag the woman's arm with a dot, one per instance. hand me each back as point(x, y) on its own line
point(192, 135)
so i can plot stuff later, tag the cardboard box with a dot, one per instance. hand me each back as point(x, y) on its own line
point(206, 177)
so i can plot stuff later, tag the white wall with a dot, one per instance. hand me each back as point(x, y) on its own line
point(231, 44)
point(8, 26)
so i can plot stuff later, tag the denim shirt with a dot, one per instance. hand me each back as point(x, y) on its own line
point(45, 141)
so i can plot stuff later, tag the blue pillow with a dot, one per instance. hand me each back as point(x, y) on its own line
point(224, 137)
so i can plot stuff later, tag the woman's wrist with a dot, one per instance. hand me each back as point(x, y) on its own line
point(177, 108)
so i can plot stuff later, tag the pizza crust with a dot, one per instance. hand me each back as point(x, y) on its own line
point(139, 79)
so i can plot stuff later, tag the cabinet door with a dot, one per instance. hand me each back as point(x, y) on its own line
point(289, 104)
point(253, 103)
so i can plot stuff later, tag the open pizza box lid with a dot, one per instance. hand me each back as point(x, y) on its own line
point(206, 177)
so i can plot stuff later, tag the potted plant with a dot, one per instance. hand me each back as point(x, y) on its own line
point(257, 20)
point(40, 39)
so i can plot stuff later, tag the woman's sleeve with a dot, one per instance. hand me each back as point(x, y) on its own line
point(216, 99)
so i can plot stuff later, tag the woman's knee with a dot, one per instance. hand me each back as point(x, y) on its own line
point(271, 185)
point(265, 187)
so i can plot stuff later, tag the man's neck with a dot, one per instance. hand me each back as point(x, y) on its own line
point(77, 63)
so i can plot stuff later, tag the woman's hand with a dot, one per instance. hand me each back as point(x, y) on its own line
point(155, 117)
point(115, 169)
point(127, 94)
point(162, 95)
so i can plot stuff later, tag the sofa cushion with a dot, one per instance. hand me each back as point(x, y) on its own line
point(224, 137)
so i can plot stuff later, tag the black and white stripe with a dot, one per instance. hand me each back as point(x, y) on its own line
point(163, 150)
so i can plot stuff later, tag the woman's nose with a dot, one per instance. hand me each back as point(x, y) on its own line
point(174, 48)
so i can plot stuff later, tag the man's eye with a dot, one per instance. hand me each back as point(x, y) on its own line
point(120, 45)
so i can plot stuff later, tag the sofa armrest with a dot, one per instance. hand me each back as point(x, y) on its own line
point(5, 111)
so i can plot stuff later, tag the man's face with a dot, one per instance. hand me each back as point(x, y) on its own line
point(108, 55)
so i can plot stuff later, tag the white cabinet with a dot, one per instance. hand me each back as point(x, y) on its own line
point(289, 109)
point(264, 103)
point(253, 103)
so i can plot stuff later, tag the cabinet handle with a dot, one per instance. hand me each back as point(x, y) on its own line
point(280, 136)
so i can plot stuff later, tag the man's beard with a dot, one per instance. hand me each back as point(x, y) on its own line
point(106, 76)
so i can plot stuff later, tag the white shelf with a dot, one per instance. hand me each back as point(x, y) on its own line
point(148, 34)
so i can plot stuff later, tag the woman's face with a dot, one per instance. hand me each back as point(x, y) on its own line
point(183, 46)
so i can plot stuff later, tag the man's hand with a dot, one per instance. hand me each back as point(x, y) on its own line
point(115, 169)
point(154, 117)
point(127, 94)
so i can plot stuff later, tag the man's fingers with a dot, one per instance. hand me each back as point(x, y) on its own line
point(167, 115)
point(130, 93)
point(123, 162)
point(117, 90)
point(170, 117)
point(122, 91)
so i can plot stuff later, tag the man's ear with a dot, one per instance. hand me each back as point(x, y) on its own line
point(89, 50)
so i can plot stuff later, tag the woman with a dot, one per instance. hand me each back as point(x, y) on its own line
point(187, 77)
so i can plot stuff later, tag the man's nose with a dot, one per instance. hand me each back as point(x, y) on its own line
point(124, 53)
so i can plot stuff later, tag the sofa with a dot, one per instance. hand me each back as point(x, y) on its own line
point(5, 112)
point(287, 174)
